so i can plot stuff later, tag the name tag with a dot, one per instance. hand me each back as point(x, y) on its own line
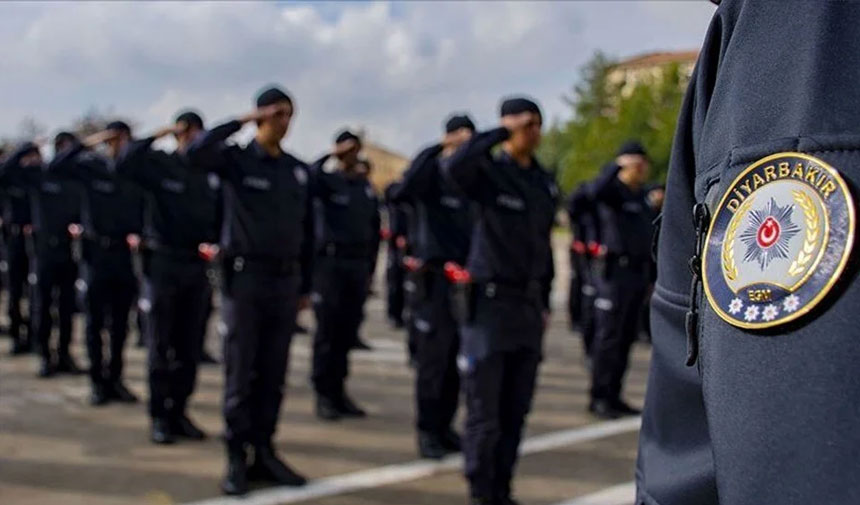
point(451, 202)
point(340, 198)
point(260, 183)
point(104, 186)
point(173, 185)
point(510, 202)
point(51, 187)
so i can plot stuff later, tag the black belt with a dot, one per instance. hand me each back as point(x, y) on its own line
point(173, 252)
point(344, 251)
point(532, 290)
point(15, 229)
point(107, 243)
point(257, 265)
point(53, 241)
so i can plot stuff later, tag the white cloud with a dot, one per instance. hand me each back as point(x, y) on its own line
point(396, 69)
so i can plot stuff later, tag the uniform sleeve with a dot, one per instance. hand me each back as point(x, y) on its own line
point(135, 163)
point(308, 243)
point(419, 177)
point(11, 171)
point(68, 164)
point(675, 464)
point(464, 168)
point(318, 178)
point(604, 187)
point(209, 152)
point(375, 227)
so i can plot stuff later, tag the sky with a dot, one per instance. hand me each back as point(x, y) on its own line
point(395, 69)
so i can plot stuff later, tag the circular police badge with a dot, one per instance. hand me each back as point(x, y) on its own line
point(778, 241)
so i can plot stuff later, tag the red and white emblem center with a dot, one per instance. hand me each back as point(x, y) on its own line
point(768, 232)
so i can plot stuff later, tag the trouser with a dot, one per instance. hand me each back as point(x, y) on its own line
point(437, 383)
point(111, 290)
point(395, 275)
point(621, 290)
point(176, 289)
point(260, 314)
point(54, 273)
point(340, 289)
point(588, 292)
point(499, 389)
point(18, 262)
point(574, 297)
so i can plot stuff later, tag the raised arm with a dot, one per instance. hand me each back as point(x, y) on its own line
point(208, 150)
point(463, 168)
point(419, 177)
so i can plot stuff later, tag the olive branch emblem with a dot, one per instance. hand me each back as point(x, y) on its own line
point(729, 267)
point(810, 212)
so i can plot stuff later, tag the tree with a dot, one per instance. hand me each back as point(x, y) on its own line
point(603, 118)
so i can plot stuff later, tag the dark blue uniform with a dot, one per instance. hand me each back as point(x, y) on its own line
point(56, 203)
point(267, 245)
point(112, 209)
point(181, 215)
point(765, 417)
point(395, 273)
point(622, 278)
point(346, 219)
point(510, 261)
point(16, 219)
point(585, 247)
point(443, 229)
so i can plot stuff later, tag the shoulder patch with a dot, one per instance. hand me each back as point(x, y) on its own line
point(778, 241)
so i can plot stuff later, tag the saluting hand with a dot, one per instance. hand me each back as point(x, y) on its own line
point(344, 147)
point(100, 137)
point(262, 113)
point(170, 130)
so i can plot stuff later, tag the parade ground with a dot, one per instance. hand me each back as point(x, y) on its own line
point(57, 449)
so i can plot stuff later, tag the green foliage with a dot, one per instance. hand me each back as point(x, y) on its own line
point(604, 117)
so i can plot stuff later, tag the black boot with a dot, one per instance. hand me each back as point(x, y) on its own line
point(347, 408)
point(67, 365)
point(327, 409)
point(430, 446)
point(267, 467)
point(46, 369)
point(235, 481)
point(161, 433)
point(183, 427)
point(450, 440)
point(604, 409)
point(207, 359)
point(99, 395)
point(622, 407)
point(119, 392)
point(361, 345)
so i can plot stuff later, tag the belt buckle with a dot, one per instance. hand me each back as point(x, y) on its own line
point(624, 261)
point(238, 264)
point(490, 290)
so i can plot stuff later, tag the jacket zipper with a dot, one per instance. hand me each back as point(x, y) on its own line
point(701, 219)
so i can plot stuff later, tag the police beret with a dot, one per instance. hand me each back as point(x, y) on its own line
point(456, 122)
point(517, 105)
point(632, 147)
point(271, 96)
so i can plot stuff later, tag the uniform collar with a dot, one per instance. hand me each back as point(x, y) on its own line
point(507, 158)
point(261, 153)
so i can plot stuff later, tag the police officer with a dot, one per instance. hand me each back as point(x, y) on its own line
point(347, 236)
point(181, 215)
point(510, 262)
point(112, 211)
point(395, 273)
point(585, 249)
point(623, 273)
point(267, 247)
point(56, 204)
point(753, 387)
point(17, 227)
point(444, 226)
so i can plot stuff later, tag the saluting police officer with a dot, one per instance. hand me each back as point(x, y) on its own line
point(444, 221)
point(395, 272)
point(16, 229)
point(56, 204)
point(585, 250)
point(623, 273)
point(181, 214)
point(347, 237)
point(267, 247)
point(112, 211)
point(510, 262)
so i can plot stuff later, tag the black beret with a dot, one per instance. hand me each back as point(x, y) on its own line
point(119, 125)
point(191, 118)
point(517, 105)
point(345, 135)
point(27, 148)
point(456, 122)
point(272, 96)
point(632, 147)
point(64, 137)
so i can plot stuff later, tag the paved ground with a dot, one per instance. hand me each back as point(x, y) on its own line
point(55, 449)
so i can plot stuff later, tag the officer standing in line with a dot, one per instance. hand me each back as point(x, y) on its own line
point(510, 262)
point(584, 251)
point(16, 228)
point(752, 394)
point(363, 168)
point(56, 204)
point(347, 234)
point(398, 221)
point(267, 248)
point(112, 212)
point(622, 275)
point(181, 217)
point(444, 227)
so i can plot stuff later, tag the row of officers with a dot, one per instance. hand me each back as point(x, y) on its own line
point(289, 236)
